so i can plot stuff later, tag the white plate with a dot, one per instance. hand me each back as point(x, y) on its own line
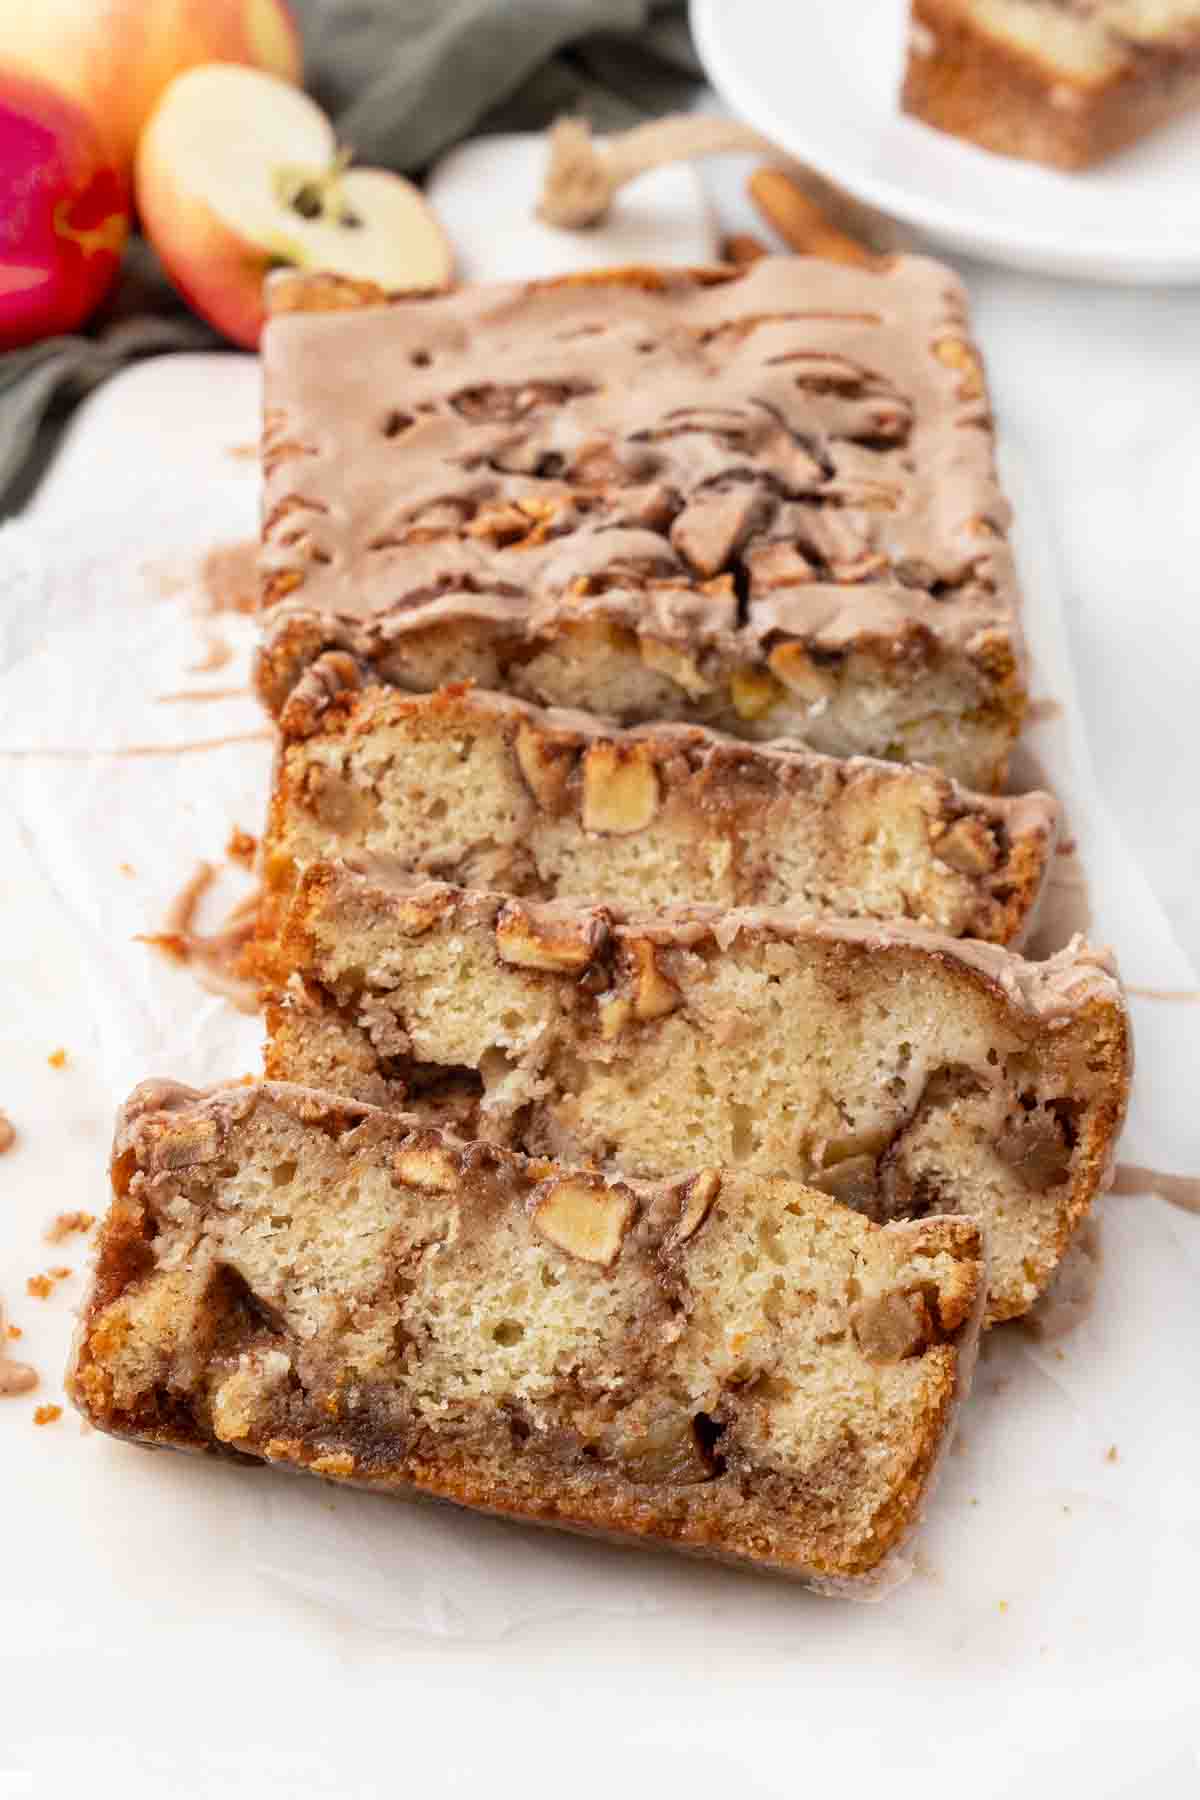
point(823, 81)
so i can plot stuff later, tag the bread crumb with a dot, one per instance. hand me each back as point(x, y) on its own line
point(15, 1377)
point(14, 1332)
point(8, 1133)
point(46, 1415)
point(241, 847)
point(57, 1059)
point(67, 1222)
point(1004, 1606)
point(39, 1287)
point(1111, 1454)
point(125, 869)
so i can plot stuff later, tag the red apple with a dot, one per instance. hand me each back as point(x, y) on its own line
point(237, 173)
point(115, 57)
point(64, 213)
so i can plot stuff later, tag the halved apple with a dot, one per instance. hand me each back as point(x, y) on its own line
point(238, 174)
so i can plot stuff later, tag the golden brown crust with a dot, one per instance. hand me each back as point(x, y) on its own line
point(559, 804)
point(821, 1475)
point(292, 291)
point(965, 81)
point(289, 291)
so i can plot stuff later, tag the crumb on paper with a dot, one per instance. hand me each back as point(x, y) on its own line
point(126, 869)
point(15, 1377)
point(8, 1133)
point(40, 1287)
point(65, 1223)
point(1004, 1606)
point(1112, 1454)
point(57, 1059)
point(13, 1332)
point(46, 1415)
point(242, 847)
point(242, 452)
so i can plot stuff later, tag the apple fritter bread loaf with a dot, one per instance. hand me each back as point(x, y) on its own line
point(764, 502)
point(722, 1363)
point(1066, 82)
point(903, 1072)
point(486, 791)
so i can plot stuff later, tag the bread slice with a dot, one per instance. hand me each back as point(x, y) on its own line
point(486, 791)
point(904, 1072)
point(720, 1363)
point(1054, 81)
point(762, 502)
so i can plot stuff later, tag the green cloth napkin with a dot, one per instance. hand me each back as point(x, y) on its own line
point(402, 80)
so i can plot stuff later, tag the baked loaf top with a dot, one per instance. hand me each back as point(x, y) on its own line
point(901, 1070)
point(487, 791)
point(728, 1364)
point(1087, 41)
point(802, 449)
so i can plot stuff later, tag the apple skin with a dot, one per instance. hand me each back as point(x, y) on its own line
point(115, 57)
point(64, 213)
point(219, 273)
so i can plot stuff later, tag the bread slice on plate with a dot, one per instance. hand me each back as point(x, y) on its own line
point(764, 502)
point(1064, 82)
point(487, 791)
point(719, 1363)
point(904, 1072)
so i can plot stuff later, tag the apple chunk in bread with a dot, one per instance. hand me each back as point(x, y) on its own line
point(239, 173)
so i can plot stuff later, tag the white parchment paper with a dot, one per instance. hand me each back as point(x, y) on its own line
point(1058, 1575)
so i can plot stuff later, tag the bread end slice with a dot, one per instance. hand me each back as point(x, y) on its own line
point(1050, 84)
point(719, 1363)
